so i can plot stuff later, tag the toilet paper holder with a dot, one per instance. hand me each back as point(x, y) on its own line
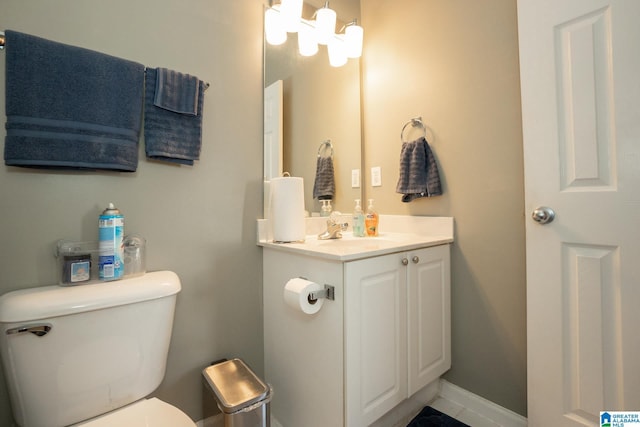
point(329, 292)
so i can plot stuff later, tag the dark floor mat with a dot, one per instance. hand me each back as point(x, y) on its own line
point(430, 417)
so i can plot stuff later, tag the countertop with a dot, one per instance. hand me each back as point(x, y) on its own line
point(402, 233)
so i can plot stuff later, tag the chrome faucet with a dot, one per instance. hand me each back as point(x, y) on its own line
point(334, 230)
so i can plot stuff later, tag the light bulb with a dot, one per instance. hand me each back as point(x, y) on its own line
point(325, 25)
point(353, 36)
point(291, 14)
point(273, 29)
point(337, 52)
point(307, 45)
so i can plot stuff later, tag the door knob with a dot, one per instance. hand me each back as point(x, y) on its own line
point(415, 259)
point(543, 215)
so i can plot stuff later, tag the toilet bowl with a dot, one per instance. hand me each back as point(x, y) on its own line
point(146, 412)
point(91, 354)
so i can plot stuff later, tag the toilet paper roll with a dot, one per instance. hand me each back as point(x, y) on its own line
point(287, 209)
point(296, 295)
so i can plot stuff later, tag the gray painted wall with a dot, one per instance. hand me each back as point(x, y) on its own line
point(455, 63)
point(200, 220)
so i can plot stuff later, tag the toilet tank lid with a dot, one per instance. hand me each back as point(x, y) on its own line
point(52, 301)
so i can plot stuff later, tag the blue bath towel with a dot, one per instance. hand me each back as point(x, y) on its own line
point(69, 107)
point(419, 175)
point(324, 185)
point(171, 136)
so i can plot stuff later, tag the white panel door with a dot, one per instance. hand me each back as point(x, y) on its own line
point(429, 315)
point(580, 79)
point(375, 342)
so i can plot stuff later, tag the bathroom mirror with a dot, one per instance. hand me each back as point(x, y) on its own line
point(320, 102)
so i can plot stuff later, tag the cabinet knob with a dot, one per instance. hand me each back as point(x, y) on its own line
point(405, 261)
point(415, 259)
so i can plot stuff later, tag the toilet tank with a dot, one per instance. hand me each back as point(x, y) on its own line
point(72, 353)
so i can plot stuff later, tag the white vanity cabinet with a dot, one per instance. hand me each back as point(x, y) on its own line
point(384, 337)
point(397, 329)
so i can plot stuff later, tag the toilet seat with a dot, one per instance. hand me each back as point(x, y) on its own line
point(143, 413)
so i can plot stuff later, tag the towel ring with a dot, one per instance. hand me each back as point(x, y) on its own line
point(325, 145)
point(415, 122)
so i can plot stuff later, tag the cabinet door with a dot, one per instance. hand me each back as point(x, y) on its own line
point(429, 314)
point(375, 337)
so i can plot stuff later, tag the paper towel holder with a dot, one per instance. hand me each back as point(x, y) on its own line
point(329, 292)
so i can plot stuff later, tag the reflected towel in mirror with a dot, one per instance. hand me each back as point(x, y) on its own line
point(324, 186)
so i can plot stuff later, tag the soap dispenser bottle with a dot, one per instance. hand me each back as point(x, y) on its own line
point(371, 220)
point(325, 210)
point(358, 220)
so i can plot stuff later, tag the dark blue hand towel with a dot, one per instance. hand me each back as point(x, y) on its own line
point(419, 176)
point(69, 107)
point(168, 135)
point(176, 92)
point(324, 185)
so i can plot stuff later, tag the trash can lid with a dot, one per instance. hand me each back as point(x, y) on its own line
point(235, 385)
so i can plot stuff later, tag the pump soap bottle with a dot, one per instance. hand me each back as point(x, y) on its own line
point(326, 208)
point(358, 220)
point(371, 220)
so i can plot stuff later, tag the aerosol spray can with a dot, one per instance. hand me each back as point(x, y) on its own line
point(111, 232)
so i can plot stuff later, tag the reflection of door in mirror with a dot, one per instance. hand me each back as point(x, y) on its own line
point(272, 138)
point(320, 102)
point(273, 130)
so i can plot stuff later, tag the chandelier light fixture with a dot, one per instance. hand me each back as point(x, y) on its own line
point(286, 17)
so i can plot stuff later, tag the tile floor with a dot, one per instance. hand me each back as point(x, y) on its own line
point(461, 413)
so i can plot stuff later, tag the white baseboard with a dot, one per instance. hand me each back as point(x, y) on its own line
point(481, 406)
point(402, 414)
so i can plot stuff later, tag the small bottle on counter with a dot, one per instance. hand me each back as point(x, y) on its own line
point(371, 220)
point(358, 220)
point(326, 208)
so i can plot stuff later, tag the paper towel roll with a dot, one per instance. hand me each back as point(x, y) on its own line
point(287, 209)
point(296, 295)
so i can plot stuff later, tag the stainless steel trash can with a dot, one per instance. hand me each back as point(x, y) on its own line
point(242, 397)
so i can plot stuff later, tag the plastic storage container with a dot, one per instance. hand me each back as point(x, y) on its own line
point(242, 397)
point(78, 261)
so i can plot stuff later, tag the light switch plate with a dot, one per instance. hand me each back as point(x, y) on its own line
point(376, 176)
point(355, 178)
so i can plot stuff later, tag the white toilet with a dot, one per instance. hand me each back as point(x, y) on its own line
point(88, 355)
